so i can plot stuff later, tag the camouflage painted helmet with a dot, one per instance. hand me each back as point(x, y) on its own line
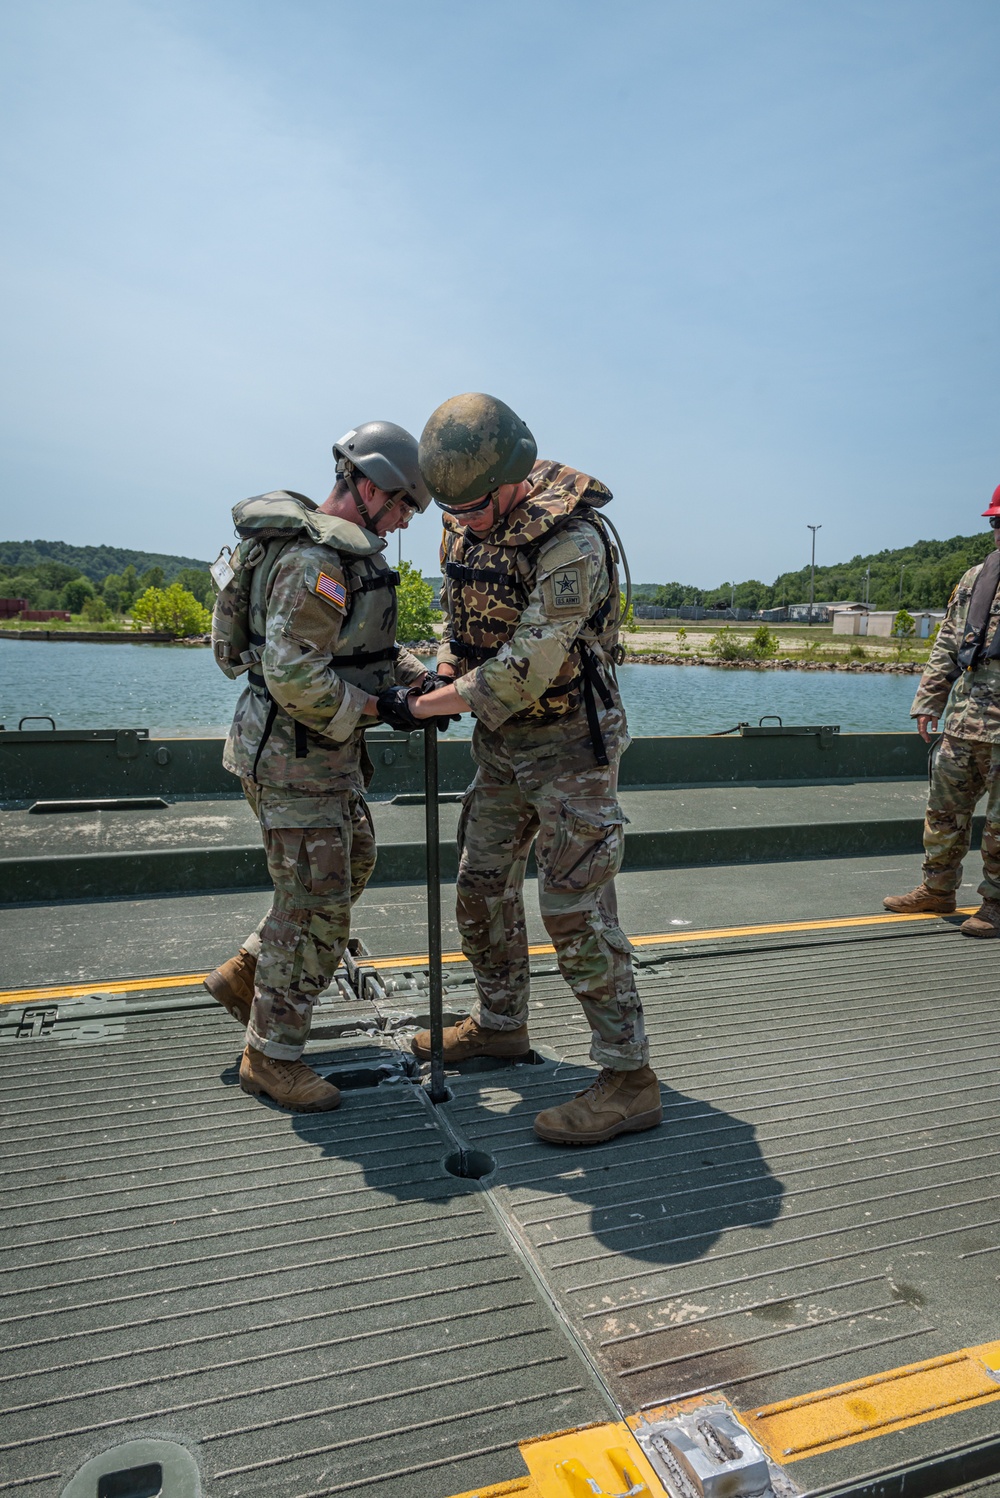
point(470, 446)
point(386, 454)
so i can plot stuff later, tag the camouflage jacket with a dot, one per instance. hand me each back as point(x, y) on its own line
point(968, 700)
point(305, 618)
point(519, 600)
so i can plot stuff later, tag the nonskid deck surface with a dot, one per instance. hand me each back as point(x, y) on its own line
point(315, 1305)
point(312, 1300)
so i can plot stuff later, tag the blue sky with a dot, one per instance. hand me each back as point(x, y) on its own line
point(738, 258)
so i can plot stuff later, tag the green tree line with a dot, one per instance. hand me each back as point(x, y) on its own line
point(50, 584)
point(94, 562)
point(929, 570)
point(153, 595)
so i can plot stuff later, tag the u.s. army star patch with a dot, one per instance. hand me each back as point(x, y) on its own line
point(332, 591)
point(566, 588)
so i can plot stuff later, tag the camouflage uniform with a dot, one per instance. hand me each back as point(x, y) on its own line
point(966, 761)
point(306, 783)
point(519, 602)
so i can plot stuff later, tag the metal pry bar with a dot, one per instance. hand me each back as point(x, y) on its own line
point(438, 1092)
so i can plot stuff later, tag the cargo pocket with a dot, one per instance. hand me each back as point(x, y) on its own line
point(587, 845)
point(282, 938)
point(363, 850)
point(322, 863)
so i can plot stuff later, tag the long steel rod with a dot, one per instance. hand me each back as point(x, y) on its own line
point(439, 1092)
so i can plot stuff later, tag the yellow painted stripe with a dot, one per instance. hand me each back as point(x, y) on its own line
point(420, 959)
point(593, 1461)
point(77, 990)
point(847, 1413)
point(710, 933)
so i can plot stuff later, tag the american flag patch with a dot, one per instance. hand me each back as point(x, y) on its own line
point(330, 589)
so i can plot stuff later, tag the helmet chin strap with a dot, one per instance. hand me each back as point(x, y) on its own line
point(370, 521)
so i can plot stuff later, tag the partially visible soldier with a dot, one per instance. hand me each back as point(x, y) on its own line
point(962, 681)
point(313, 602)
point(531, 604)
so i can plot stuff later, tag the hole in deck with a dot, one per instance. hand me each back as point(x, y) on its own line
point(470, 1165)
point(132, 1482)
point(354, 1078)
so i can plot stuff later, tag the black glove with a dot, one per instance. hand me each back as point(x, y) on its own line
point(430, 683)
point(394, 709)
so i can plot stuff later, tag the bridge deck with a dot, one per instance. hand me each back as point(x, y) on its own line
point(315, 1305)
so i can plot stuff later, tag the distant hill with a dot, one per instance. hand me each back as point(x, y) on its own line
point(930, 569)
point(921, 575)
point(95, 562)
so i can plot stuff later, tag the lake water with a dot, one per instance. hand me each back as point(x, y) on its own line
point(173, 689)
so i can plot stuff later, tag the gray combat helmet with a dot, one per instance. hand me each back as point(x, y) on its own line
point(472, 445)
point(386, 454)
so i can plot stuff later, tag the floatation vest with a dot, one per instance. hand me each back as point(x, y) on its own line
point(268, 524)
point(488, 580)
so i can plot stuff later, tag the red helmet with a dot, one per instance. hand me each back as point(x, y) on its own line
point(994, 508)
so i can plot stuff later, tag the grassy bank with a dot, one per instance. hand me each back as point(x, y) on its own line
point(74, 622)
point(797, 643)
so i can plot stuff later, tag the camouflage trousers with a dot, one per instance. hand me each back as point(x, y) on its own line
point(962, 769)
point(320, 855)
point(576, 824)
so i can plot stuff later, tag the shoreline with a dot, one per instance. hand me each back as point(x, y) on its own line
point(103, 636)
point(664, 658)
point(429, 647)
point(857, 668)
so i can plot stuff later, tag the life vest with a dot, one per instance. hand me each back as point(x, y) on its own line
point(268, 524)
point(488, 580)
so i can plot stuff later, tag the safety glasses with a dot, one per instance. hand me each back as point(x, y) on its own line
point(995, 521)
point(471, 509)
point(401, 497)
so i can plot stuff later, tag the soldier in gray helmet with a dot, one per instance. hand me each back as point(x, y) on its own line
point(307, 609)
point(532, 614)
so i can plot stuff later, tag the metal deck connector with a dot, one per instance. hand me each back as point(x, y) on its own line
point(707, 1453)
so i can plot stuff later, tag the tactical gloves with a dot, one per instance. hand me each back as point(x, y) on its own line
point(394, 709)
point(394, 706)
point(432, 681)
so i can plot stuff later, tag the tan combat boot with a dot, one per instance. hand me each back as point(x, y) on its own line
point(290, 1084)
point(922, 900)
point(232, 984)
point(618, 1102)
point(467, 1038)
point(985, 922)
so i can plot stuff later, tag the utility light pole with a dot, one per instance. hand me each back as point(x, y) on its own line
point(901, 571)
point(812, 577)
point(868, 584)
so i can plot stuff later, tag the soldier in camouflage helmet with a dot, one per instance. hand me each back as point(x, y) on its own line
point(531, 605)
point(320, 620)
point(961, 681)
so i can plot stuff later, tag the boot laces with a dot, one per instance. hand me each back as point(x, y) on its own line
point(600, 1084)
point(284, 1069)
